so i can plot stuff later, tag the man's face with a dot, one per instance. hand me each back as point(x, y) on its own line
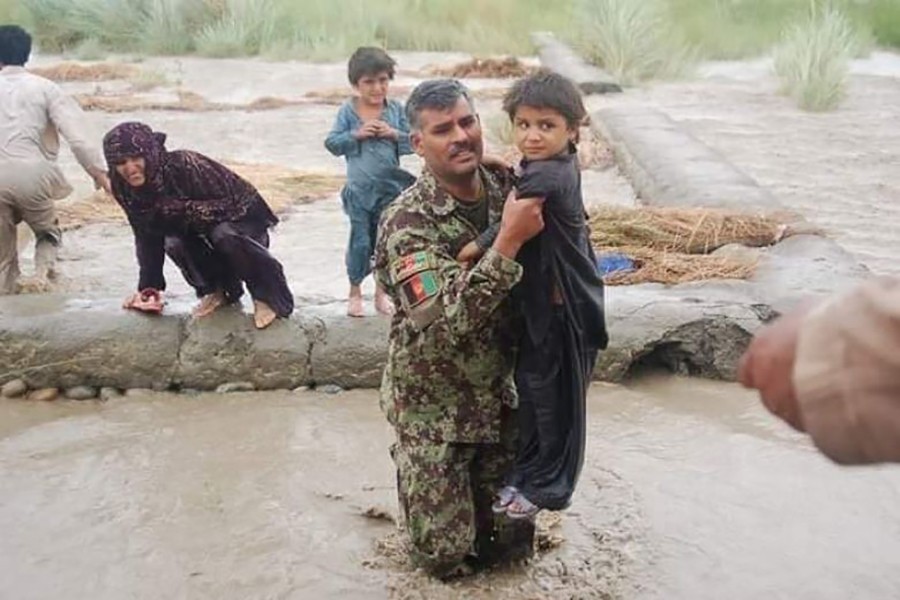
point(132, 171)
point(449, 141)
point(372, 89)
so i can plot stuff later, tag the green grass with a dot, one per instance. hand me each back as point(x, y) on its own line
point(812, 60)
point(13, 12)
point(330, 29)
point(883, 18)
point(632, 40)
point(740, 28)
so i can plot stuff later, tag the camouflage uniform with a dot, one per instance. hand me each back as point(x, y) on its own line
point(448, 385)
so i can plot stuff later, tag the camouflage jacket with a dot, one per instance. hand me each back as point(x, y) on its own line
point(450, 354)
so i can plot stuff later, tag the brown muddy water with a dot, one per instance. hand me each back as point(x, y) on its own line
point(690, 490)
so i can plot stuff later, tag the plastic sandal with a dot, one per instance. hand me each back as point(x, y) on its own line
point(506, 495)
point(150, 302)
point(522, 508)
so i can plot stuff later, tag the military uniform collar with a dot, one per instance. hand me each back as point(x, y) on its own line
point(442, 202)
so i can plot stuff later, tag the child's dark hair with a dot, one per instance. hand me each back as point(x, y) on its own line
point(15, 45)
point(369, 60)
point(546, 89)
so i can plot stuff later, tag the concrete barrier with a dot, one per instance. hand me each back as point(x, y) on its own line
point(695, 329)
point(558, 57)
point(667, 166)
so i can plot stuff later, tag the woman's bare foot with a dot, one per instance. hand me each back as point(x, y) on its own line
point(383, 304)
point(209, 304)
point(263, 315)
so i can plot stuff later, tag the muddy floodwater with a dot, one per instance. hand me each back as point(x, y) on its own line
point(689, 490)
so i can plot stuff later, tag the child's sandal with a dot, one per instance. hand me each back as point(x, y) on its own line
point(522, 508)
point(506, 495)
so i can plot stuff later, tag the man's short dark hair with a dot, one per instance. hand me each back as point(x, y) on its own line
point(435, 94)
point(369, 60)
point(15, 45)
point(546, 89)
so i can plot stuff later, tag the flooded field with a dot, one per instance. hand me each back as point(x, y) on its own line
point(690, 490)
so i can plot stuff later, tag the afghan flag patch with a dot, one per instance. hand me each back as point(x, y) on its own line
point(409, 265)
point(420, 287)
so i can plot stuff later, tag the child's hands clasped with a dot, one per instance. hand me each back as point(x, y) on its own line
point(469, 254)
point(375, 129)
point(367, 130)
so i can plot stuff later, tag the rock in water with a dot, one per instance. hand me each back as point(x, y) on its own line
point(329, 388)
point(235, 386)
point(81, 392)
point(109, 393)
point(14, 389)
point(44, 394)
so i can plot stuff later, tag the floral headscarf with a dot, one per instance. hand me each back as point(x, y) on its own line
point(133, 139)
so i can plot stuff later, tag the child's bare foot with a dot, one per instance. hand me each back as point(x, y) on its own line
point(263, 315)
point(355, 306)
point(383, 304)
point(209, 304)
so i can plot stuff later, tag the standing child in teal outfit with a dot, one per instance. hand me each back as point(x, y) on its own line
point(371, 133)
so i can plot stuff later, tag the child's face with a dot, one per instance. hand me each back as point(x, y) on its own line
point(373, 88)
point(541, 133)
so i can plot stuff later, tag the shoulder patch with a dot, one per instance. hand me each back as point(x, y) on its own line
point(420, 287)
point(411, 264)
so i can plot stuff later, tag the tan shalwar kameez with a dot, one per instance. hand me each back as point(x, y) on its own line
point(33, 113)
point(847, 374)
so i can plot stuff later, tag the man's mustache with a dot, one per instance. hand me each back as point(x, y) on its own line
point(457, 149)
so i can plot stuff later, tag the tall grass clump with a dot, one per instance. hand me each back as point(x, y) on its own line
point(147, 26)
point(243, 28)
point(813, 59)
point(631, 39)
point(171, 25)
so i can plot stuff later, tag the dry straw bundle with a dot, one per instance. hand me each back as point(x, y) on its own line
point(673, 245)
point(68, 71)
point(491, 68)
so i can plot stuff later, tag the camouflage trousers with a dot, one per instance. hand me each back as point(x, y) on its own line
point(446, 491)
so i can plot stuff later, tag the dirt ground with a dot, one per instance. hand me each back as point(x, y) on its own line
point(839, 169)
point(274, 144)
